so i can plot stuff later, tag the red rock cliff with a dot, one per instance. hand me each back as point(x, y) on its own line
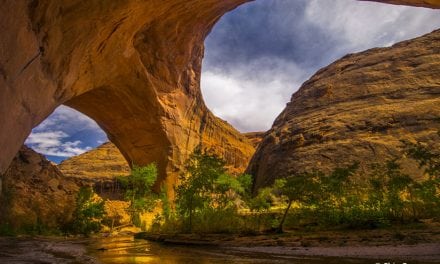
point(356, 109)
point(133, 66)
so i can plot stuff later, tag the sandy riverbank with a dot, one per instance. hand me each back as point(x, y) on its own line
point(425, 253)
point(421, 245)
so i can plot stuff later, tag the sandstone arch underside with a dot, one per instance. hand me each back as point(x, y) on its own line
point(133, 66)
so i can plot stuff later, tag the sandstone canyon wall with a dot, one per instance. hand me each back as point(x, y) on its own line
point(356, 109)
point(103, 162)
point(255, 138)
point(133, 66)
point(35, 194)
point(106, 161)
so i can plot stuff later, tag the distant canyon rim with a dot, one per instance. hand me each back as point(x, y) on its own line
point(132, 66)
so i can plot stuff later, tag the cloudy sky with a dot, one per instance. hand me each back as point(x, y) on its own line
point(257, 56)
point(64, 134)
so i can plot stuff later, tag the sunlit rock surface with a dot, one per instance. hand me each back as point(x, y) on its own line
point(254, 137)
point(106, 162)
point(133, 66)
point(103, 162)
point(356, 109)
point(35, 194)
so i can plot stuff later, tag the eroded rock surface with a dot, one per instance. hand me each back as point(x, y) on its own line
point(356, 109)
point(103, 162)
point(106, 161)
point(255, 137)
point(35, 194)
point(133, 66)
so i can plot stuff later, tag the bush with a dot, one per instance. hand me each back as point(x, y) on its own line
point(211, 201)
point(88, 214)
point(138, 191)
point(206, 190)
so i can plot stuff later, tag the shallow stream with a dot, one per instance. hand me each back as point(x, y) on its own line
point(127, 250)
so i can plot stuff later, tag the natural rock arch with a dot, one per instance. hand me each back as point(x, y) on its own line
point(132, 66)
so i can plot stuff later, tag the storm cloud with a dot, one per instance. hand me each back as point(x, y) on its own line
point(261, 53)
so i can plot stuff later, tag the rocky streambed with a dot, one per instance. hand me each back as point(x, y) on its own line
point(127, 249)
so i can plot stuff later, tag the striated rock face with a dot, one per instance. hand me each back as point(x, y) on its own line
point(133, 66)
point(356, 109)
point(255, 137)
point(99, 168)
point(103, 162)
point(35, 193)
point(106, 162)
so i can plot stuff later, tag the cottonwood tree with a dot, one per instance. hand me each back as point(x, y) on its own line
point(300, 188)
point(205, 184)
point(138, 191)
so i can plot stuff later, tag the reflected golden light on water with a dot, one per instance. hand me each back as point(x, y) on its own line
point(127, 250)
point(131, 259)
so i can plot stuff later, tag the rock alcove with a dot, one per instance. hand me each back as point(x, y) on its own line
point(132, 66)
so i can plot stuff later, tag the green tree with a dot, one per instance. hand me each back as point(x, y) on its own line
point(246, 182)
point(197, 183)
point(388, 185)
point(226, 191)
point(205, 186)
point(88, 214)
point(260, 203)
point(427, 190)
point(427, 158)
point(138, 191)
point(166, 204)
point(333, 190)
point(300, 188)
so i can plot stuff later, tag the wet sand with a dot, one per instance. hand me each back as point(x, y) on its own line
point(24, 250)
point(422, 253)
point(415, 245)
point(418, 246)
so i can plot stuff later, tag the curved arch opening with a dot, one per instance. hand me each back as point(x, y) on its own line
point(78, 146)
point(259, 54)
point(64, 134)
point(148, 104)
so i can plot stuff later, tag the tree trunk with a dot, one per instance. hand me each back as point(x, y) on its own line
point(190, 214)
point(414, 216)
point(280, 227)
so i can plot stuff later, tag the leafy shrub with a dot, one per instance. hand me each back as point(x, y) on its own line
point(138, 191)
point(206, 190)
point(88, 214)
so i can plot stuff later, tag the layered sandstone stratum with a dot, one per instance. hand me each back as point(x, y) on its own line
point(254, 137)
point(106, 162)
point(359, 108)
point(132, 66)
point(103, 162)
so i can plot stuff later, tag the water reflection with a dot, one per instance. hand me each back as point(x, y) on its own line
point(133, 251)
point(127, 250)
